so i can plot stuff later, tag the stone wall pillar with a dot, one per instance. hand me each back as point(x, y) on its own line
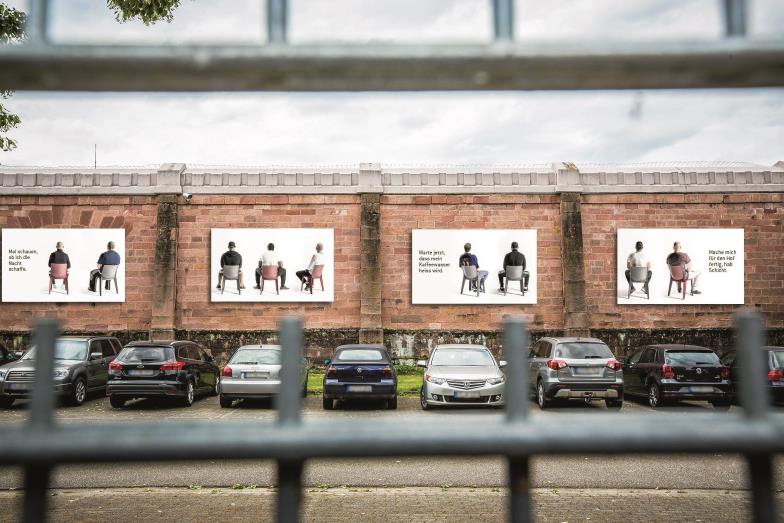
point(370, 327)
point(576, 320)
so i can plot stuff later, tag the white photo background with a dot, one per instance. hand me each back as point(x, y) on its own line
point(716, 253)
point(294, 247)
point(26, 264)
point(437, 276)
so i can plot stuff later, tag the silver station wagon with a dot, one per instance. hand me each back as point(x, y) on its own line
point(254, 372)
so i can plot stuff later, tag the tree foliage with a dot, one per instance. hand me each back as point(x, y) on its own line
point(148, 11)
point(12, 23)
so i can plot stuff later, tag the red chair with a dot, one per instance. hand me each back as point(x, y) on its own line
point(269, 272)
point(317, 274)
point(680, 275)
point(58, 271)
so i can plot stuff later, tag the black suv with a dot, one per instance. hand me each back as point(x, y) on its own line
point(676, 372)
point(775, 360)
point(175, 369)
point(81, 365)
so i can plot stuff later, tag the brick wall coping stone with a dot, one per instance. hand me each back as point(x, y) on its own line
point(177, 178)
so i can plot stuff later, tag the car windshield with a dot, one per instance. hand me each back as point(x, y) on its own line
point(256, 357)
point(684, 357)
point(360, 355)
point(466, 357)
point(778, 358)
point(582, 350)
point(146, 354)
point(64, 350)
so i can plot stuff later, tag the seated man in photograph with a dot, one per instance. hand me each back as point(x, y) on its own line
point(637, 259)
point(59, 256)
point(316, 259)
point(110, 257)
point(468, 259)
point(513, 258)
point(230, 257)
point(269, 258)
point(678, 257)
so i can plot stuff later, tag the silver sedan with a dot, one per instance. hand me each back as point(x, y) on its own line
point(461, 374)
point(254, 372)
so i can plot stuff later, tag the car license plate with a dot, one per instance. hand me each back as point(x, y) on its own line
point(359, 388)
point(256, 375)
point(700, 389)
point(466, 394)
point(143, 372)
point(18, 386)
point(586, 371)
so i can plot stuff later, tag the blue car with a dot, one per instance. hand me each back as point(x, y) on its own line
point(360, 372)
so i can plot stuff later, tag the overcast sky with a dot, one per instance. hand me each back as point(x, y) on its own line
point(430, 128)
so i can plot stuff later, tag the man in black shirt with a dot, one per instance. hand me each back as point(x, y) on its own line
point(58, 256)
point(514, 258)
point(230, 257)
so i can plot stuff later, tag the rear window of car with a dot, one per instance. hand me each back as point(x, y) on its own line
point(778, 358)
point(462, 358)
point(256, 357)
point(581, 350)
point(685, 357)
point(360, 355)
point(146, 354)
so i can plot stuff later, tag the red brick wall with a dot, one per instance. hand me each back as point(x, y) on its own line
point(194, 309)
point(136, 214)
point(760, 215)
point(401, 214)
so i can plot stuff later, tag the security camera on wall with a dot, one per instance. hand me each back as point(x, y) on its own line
point(187, 197)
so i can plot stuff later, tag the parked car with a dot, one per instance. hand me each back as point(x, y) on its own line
point(775, 360)
point(575, 368)
point(460, 374)
point(172, 369)
point(360, 372)
point(677, 372)
point(254, 372)
point(81, 365)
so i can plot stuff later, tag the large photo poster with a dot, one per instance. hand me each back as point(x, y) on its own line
point(473, 266)
point(680, 266)
point(272, 265)
point(63, 265)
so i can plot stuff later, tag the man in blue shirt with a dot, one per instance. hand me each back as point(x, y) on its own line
point(468, 259)
point(110, 257)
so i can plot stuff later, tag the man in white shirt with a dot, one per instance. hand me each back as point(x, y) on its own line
point(316, 259)
point(269, 258)
point(637, 259)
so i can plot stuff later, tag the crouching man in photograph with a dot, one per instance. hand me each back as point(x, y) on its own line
point(677, 257)
point(637, 259)
point(513, 258)
point(231, 257)
point(468, 259)
point(305, 276)
point(110, 257)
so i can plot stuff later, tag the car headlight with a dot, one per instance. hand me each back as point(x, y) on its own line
point(496, 381)
point(59, 374)
point(434, 380)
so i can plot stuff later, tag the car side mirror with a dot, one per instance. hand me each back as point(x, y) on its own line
point(502, 363)
point(622, 361)
point(422, 363)
point(396, 361)
point(96, 355)
point(327, 361)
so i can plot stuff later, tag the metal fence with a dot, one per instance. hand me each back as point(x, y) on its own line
point(42, 444)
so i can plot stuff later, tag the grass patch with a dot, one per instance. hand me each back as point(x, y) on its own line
point(408, 383)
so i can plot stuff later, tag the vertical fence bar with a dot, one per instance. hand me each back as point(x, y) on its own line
point(36, 25)
point(503, 20)
point(734, 17)
point(36, 480)
point(516, 396)
point(277, 21)
point(289, 491)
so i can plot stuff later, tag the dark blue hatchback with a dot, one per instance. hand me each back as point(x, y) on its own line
point(360, 372)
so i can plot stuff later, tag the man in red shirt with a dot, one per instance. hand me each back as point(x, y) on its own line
point(681, 258)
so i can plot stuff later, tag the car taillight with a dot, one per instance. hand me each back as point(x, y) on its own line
point(115, 366)
point(776, 375)
point(556, 364)
point(173, 365)
point(614, 365)
point(226, 372)
point(667, 372)
point(332, 371)
point(725, 372)
point(387, 372)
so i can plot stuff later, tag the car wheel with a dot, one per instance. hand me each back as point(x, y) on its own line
point(328, 404)
point(6, 402)
point(392, 403)
point(116, 402)
point(654, 396)
point(79, 393)
point(541, 397)
point(187, 400)
point(722, 404)
point(614, 404)
point(422, 400)
point(225, 402)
